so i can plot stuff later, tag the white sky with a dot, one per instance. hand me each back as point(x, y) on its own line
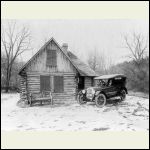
point(84, 36)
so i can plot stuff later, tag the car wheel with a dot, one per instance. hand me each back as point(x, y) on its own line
point(123, 95)
point(81, 99)
point(100, 100)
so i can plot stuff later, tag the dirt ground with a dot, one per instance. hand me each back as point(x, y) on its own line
point(130, 115)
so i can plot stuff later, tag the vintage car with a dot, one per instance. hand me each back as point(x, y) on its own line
point(107, 88)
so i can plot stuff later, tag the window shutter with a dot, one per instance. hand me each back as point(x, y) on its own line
point(45, 83)
point(58, 84)
point(51, 58)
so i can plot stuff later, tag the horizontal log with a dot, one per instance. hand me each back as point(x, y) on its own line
point(33, 79)
point(70, 92)
point(33, 84)
point(33, 75)
point(52, 73)
point(34, 88)
point(62, 96)
point(69, 77)
point(73, 89)
point(70, 85)
point(23, 85)
point(21, 80)
point(69, 82)
point(72, 80)
point(69, 88)
point(31, 90)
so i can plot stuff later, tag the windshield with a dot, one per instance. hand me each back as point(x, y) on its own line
point(102, 83)
point(110, 82)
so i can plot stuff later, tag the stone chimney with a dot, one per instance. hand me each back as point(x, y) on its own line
point(65, 47)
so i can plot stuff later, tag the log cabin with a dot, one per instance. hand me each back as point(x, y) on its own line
point(54, 68)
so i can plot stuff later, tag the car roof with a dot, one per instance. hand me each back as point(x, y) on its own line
point(109, 76)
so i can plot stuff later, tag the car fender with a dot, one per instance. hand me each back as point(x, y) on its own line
point(97, 92)
point(125, 90)
point(101, 92)
point(81, 93)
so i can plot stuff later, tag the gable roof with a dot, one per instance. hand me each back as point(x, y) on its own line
point(81, 67)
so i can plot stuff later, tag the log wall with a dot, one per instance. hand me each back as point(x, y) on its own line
point(88, 82)
point(69, 94)
point(23, 87)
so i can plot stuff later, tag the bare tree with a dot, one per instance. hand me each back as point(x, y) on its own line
point(98, 61)
point(136, 69)
point(15, 41)
point(137, 46)
point(92, 60)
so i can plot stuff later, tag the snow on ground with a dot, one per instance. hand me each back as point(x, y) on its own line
point(130, 115)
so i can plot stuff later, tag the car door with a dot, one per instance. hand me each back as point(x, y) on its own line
point(111, 90)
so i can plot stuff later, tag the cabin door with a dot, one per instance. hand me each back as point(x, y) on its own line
point(81, 81)
point(45, 83)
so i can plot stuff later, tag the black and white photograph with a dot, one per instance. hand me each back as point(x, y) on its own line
point(74, 75)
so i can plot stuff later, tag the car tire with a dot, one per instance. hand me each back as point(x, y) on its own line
point(123, 95)
point(100, 100)
point(81, 99)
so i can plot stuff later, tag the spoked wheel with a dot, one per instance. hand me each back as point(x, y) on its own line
point(123, 95)
point(81, 100)
point(100, 100)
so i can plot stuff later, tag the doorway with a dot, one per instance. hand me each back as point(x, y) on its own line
point(81, 81)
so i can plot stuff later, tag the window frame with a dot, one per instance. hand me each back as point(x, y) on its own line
point(55, 79)
point(51, 58)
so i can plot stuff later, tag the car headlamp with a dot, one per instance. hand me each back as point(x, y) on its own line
point(83, 91)
point(93, 91)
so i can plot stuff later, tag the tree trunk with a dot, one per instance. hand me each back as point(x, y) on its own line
point(8, 78)
point(7, 84)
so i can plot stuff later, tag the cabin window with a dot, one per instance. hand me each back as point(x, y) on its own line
point(45, 83)
point(51, 58)
point(58, 84)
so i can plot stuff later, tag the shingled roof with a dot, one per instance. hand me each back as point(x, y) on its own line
point(81, 67)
